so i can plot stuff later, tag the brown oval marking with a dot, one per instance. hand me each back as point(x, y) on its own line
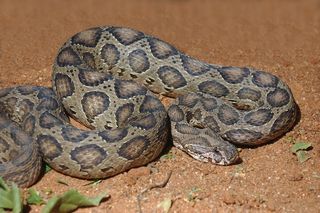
point(145, 122)
point(285, 119)
point(110, 54)
point(88, 156)
point(123, 113)
point(259, 117)
point(49, 146)
point(5, 91)
point(161, 49)
point(91, 78)
point(211, 122)
point(64, 85)
point(228, 115)
point(186, 129)
point(114, 135)
point(72, 134)
point(194, 67)
point(29, 124)
point(234, 75)
point(264, 79)
point(189, 100)
point(68, 57)
point(89, 37)
point(133, 148)
point(175, 113)
point(94, 103)
point(171, 77)
point(138, 61)
point(278, 97)
point(213, 88)
point(47, 120)
point(27, 90)
point(45, 93)
point(89, 59)
point(151, 104)
point(126, 36)
point(19, 137)
point(48, 103)
point(209, 104)
point(248, 93)
point(127, 89)
point(242, 136)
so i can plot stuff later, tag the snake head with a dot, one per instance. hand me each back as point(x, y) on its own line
point(225, 154)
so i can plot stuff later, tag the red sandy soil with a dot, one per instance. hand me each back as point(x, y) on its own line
point(282, 37)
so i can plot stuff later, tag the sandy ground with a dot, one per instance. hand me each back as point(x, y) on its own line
point(281, 37)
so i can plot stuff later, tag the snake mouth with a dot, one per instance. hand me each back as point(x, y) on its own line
point(224, 155)
point(221, 157)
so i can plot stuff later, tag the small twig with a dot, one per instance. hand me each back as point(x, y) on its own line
point(156, 185)
point(311, 130)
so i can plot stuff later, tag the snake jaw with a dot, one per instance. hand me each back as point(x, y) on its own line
point(223, 155)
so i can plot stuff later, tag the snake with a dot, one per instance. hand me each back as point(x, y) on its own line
point(109, 79)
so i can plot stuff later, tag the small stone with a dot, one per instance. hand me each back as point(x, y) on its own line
point(295, 177)
point(138, 172)
point(271, 205)
point(229, 199)
point(135, 173)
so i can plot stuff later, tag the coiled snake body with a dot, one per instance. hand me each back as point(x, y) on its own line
point(105, 77)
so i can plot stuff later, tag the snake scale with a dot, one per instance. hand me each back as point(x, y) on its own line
point(106, 77)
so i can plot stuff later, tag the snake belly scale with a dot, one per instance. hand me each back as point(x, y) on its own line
point(105, 78)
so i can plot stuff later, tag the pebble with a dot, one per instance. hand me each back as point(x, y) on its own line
point(295, 177)
point(229, 199)
point(134, 174)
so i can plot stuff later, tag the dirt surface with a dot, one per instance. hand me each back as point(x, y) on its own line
point(281, 37)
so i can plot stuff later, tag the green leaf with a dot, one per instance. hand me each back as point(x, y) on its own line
point(47, 168)
point(300, 150)
point(10, 197)
point(169, 156)
point(192, 195)
point(52, 205)
point(34, 198)
point(165, 204)
point(3, 184)
point(302, 156)
point(301, 145)
point(70, 201)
